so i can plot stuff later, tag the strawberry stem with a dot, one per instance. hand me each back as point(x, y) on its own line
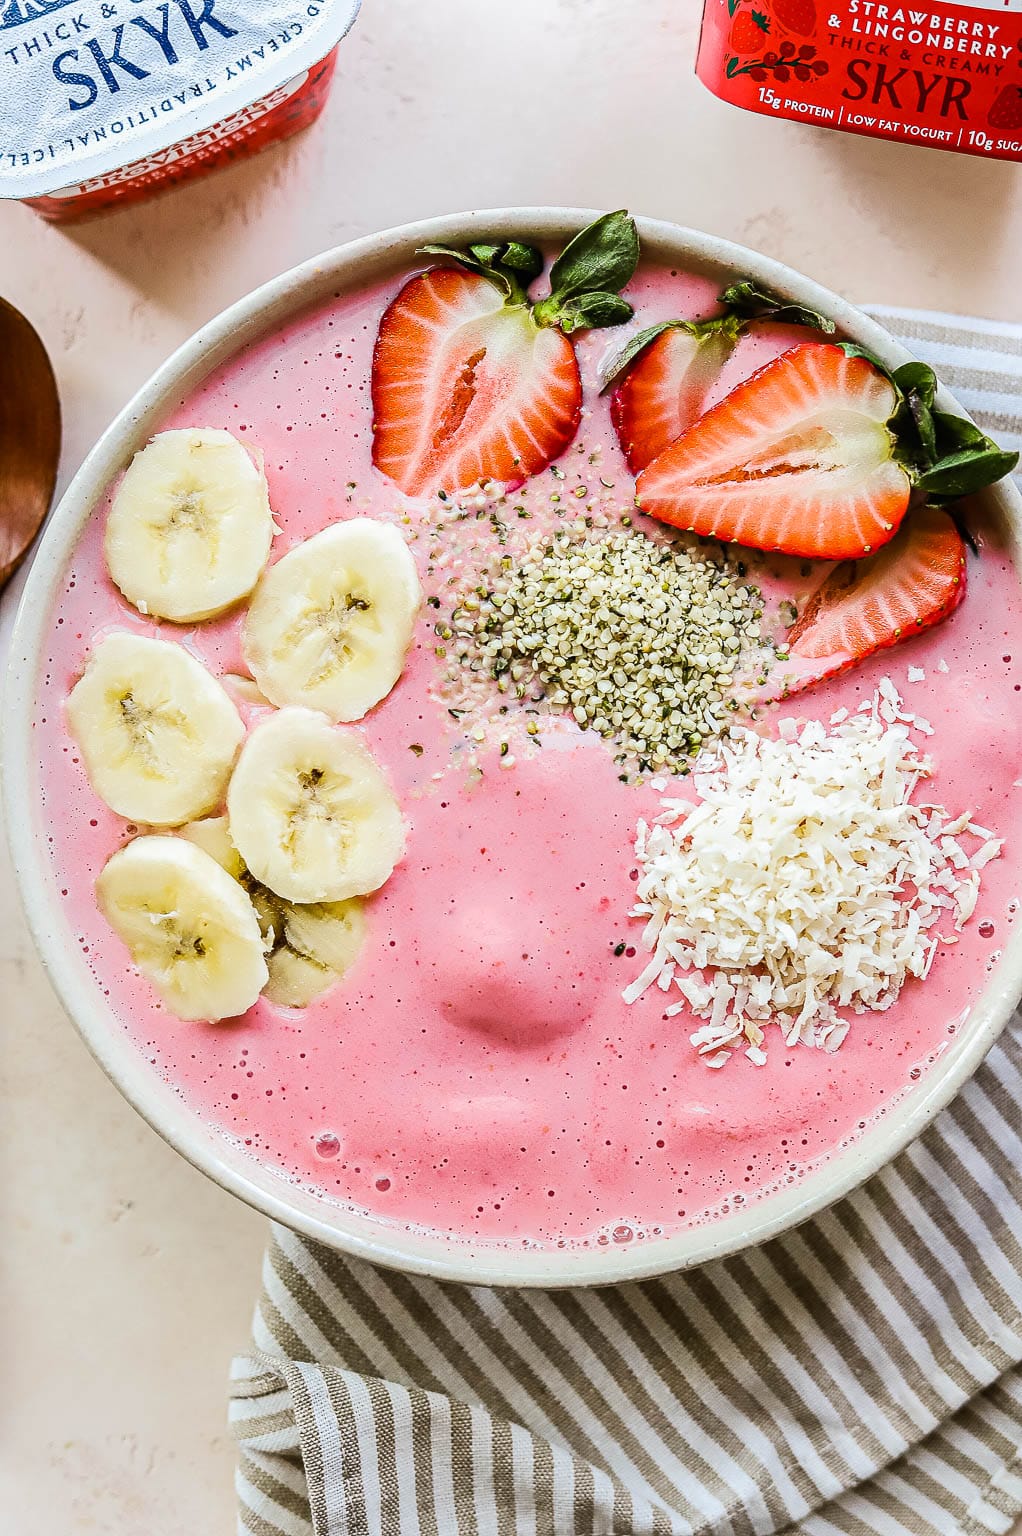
point(510, 266)
point(585, 279)
point(743, 303)
point(749, 302)
point(945, 456)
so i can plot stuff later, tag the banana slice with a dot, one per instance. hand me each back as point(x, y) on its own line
point(158, 734)
point(295, 980)
point(245, 689)
point(213, 836)
point(308, 948)
point(310, 811)
point(191, 930)
point(331, 622)
point(313, 947)
point(190, 527)
point(328, 932)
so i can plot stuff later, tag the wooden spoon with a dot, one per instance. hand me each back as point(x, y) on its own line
point(29, 437)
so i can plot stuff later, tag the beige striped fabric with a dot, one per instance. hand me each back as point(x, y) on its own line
point(861, 1376)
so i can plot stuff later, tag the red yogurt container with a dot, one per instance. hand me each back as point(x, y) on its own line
point(945, 75)
point(103, 105)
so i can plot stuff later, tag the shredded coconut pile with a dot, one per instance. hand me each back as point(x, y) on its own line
point(803, 881)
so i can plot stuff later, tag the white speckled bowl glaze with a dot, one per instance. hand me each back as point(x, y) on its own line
point(360, 1234)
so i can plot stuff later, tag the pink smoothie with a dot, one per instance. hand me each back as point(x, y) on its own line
point(477, 1071)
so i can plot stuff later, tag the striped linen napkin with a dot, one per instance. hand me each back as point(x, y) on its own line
point(862, 1375)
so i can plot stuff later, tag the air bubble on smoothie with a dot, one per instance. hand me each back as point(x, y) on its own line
point(327, 1144)
point(986, 929)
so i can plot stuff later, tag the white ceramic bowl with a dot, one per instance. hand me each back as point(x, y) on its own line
point(366, 1236)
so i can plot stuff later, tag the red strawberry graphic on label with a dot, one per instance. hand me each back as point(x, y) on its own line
point(798, 16)
point(1006, 111)
point(749, 31)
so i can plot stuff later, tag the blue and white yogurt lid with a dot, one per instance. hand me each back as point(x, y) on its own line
point(90, 86)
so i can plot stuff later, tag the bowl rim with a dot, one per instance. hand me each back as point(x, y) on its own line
point(400, 1246)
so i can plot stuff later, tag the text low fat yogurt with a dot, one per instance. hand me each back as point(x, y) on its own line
point(947, 76)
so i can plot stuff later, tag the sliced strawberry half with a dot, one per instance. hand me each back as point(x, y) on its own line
point(468, 388)
point(798, 458)
point(664, 374)
point(665, 390)
point(865, 606)
point(471, 381)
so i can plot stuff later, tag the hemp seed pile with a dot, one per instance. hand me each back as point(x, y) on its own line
point(638, 640)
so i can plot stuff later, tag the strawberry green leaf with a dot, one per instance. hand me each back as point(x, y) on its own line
point(961, 474)
point(947, 456)
point(918, 379)
point(592, 311)
point(523, 259)
point(485, 255)
point(749, 302)
point(584, 279)
point(743, 303)
point(473, 263)
point(852, 349)
point(761, 21)
point(956, 457)
point(922, 418)
point(509, 266)
point(918, 384)
point(601, 258)
point(954, 432)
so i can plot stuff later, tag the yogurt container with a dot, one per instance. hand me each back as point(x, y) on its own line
point(949, 76)
point(104, 104)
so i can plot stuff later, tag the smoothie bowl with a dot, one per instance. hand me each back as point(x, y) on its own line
point(512, 748)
